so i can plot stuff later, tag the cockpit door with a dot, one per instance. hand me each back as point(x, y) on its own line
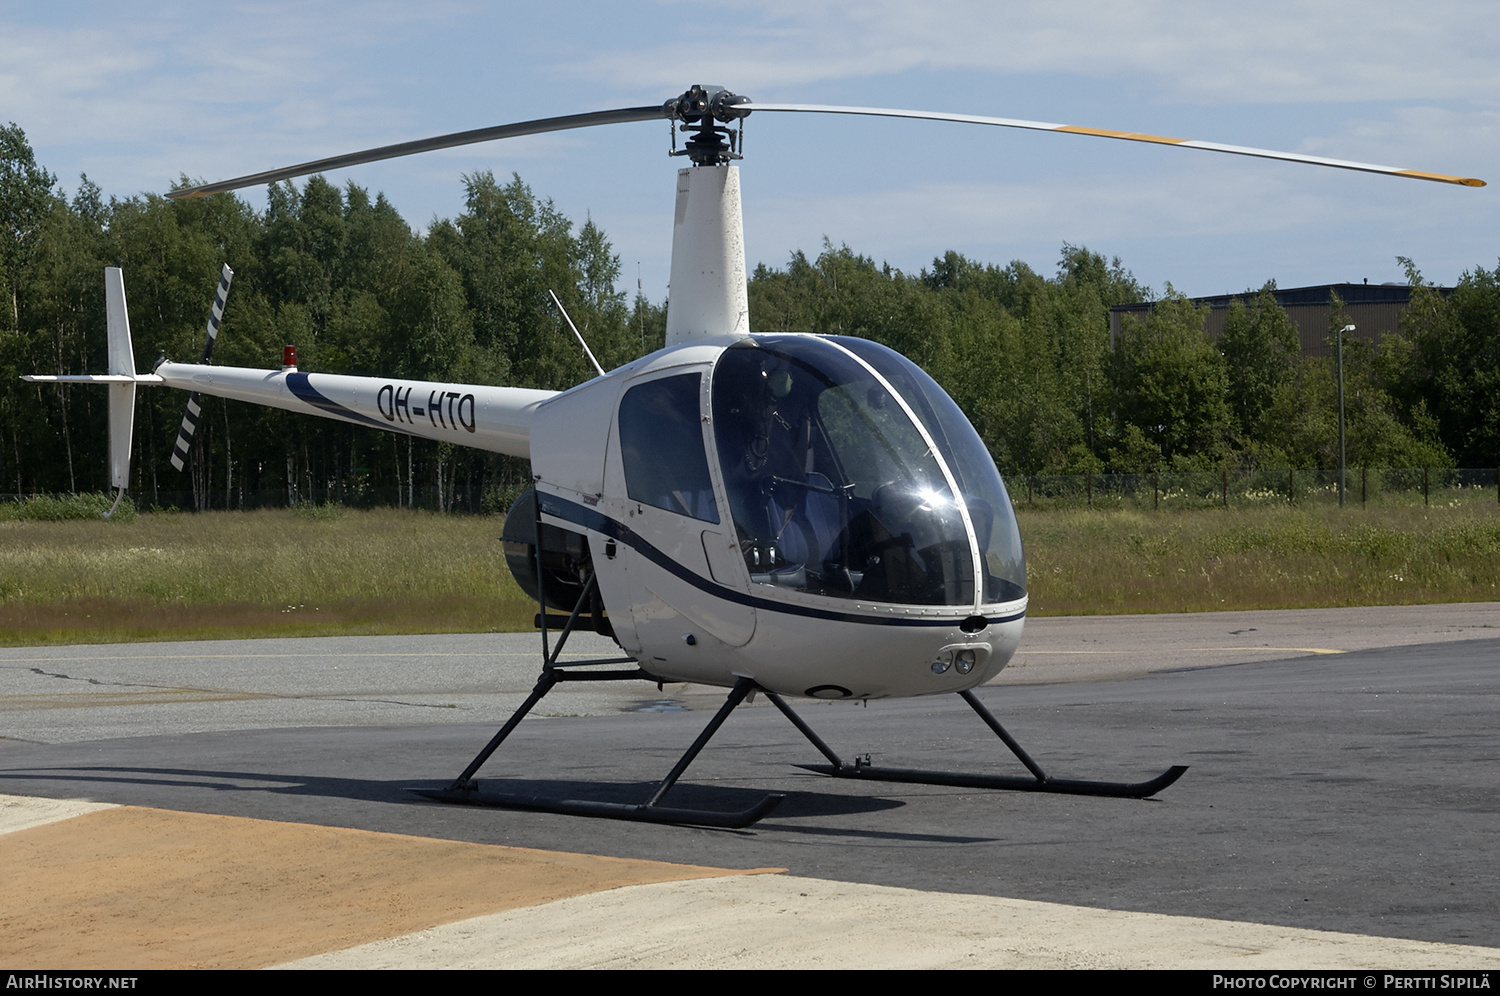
point(687, 576)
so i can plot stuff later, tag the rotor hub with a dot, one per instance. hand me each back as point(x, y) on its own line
point(705, 113)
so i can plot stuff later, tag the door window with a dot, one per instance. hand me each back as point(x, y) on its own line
point(661, 447)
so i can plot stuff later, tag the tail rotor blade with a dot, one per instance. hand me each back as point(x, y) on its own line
point(189, 426)
point(216, 316)
point(195, 400)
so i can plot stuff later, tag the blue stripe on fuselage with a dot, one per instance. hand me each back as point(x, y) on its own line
point(590, 518)
point(297, 383)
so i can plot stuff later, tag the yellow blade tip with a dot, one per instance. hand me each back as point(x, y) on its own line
point(1467, 181)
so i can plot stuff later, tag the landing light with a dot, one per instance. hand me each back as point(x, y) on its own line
point(964, 661)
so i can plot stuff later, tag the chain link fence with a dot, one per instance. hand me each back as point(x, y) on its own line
point(456, 500)
point(1368, 487)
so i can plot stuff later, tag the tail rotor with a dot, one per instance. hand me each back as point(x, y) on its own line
point(194, 405)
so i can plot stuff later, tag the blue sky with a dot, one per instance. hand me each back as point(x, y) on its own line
point(137, 94)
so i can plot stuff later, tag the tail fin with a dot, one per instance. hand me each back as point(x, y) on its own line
point(121, 395)
point(122, 379)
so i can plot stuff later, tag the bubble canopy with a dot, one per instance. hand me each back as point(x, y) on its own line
point(851, 474)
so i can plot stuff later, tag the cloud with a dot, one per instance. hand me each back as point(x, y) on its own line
point(1269, 52)
point(1200, 212)
point(159, 88)
point(1437, 139)
point(136, 94)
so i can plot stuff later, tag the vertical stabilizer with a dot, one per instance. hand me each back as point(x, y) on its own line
point(121, 396)
point(708, 296)
point(121, 354)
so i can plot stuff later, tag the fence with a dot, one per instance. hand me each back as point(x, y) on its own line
point(458, 500)
point(1366, 487)
point(1363, 486)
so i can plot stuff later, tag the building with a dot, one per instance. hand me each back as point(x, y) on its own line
point(1373, 309)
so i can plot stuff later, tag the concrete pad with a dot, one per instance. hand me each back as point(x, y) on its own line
point(21, 812)
point(97, 692)
point(1346, 790)
point(792, 922)
point(130, 887)
point(1097, 648)
point(82, 693)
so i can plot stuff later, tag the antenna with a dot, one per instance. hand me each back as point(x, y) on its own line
point(586, 351)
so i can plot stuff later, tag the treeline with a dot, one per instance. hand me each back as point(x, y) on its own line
point(349, 281)
point(1029, 358)
point(337, 272)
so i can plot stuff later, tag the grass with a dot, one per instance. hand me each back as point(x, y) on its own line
point(59, 508)
point(1093, 561)
point(325, 571)
point(311, 572)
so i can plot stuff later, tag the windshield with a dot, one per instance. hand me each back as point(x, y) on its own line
point(970, 461)
point(832, 488)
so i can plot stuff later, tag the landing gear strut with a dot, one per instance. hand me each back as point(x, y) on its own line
point(466, 790)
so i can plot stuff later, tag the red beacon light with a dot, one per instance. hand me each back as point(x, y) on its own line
point(288, 358)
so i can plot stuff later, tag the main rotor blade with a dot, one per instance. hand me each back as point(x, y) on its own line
point(1128, 136)
point(621, 115)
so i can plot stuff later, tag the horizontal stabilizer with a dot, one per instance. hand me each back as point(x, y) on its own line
point(91, 379)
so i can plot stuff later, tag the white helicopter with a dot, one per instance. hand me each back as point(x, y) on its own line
point(787, 514)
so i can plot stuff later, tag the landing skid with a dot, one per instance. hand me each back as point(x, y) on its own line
point(1017, 783)
point(466, 791)
point(612, 810)
point(1039, 781)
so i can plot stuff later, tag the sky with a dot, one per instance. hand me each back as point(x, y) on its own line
point(136, 95)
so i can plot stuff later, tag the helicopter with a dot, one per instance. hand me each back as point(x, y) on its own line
point(786, 515)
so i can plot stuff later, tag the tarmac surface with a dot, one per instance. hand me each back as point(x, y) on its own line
point(1340, 807)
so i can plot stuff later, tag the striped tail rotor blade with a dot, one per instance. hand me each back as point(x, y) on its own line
point(189, 426)
point(195, 400)
point(216, 316)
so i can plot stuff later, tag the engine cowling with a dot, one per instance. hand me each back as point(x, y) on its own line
point(565, 564)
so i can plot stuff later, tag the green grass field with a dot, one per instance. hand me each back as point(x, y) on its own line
point(243, 574)
point(1087, 562)
point(326, 572)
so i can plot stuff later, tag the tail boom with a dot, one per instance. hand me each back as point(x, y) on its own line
point(497, 419)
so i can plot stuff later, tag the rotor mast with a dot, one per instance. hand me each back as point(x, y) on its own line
point(708, 295)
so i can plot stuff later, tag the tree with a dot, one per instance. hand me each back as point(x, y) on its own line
point(1261, 352)
point(1475, 306)
point(1443, 369)
point(1170, 383)
point(25, 199)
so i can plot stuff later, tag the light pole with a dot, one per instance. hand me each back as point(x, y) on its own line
point(1346, 328)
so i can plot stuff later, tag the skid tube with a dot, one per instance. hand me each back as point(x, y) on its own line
point(465, 789)
point(1039, 781)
